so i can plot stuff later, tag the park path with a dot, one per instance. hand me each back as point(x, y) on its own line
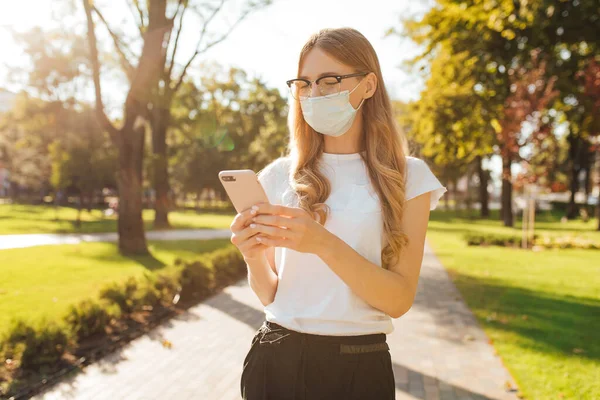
point(44, 239)
point(431, 358)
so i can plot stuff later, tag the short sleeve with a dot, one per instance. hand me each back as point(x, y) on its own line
point(273, 178)
point(420, 179)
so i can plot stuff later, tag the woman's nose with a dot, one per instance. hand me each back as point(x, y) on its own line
point(314, 90)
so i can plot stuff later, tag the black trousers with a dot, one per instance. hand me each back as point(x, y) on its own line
point(284, 364)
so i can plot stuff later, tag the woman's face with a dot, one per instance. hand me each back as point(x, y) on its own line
point(317, 63)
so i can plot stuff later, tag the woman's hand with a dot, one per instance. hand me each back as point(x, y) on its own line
point(243, 237)
point(290, 227)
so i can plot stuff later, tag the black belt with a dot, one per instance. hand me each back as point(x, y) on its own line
point(272, 333)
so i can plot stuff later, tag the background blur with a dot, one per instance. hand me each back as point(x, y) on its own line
point(116, 117)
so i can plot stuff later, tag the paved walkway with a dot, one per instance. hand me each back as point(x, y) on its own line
point(43, 239)
point(431, 359)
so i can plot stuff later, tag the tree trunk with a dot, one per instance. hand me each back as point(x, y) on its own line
point(129, 139)
point(132, 240)
point(483, 193)
point(574, 156)
point(507, 211)
point(598, 178)
point(161, 117)
point(454, 194)
point(468, 176)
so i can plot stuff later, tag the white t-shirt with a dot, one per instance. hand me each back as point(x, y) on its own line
point(310, 297)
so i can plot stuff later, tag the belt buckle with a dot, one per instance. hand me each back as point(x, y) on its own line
point(271, 336)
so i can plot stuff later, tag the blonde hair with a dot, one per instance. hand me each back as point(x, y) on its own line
point(386, 147)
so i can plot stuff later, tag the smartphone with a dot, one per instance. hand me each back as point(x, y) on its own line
point(243, 188)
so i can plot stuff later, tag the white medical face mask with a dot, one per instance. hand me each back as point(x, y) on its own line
point(332, 114)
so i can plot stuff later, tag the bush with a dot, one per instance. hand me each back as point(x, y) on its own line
point(121, 294)
point(86, 319)
point(488, 239)
point(146, 297)
point(166, 284)
point(30, 347)
point(197, 279)
point(563, 242)
point(567, 242)
point(229, 265)
point(39, 348)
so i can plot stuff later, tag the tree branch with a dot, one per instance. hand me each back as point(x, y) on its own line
point(172, 63)
point(211, 44)
point(125, 64)
point(140, 25)
point(149, 66)
point(100, 114)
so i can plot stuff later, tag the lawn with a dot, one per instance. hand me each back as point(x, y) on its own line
point(541, 309)
point(17, 218)
point(45, 280)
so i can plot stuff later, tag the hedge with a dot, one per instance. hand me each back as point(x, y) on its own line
point(561, 242)
point(28, 350)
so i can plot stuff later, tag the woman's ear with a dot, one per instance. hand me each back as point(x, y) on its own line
point(371, 85)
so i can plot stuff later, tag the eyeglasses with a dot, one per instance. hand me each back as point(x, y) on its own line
point(329, 84)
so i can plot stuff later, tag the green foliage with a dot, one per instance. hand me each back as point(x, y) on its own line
point(495, 239)
point(197, 279)
point(161, 288)
point(39, 348)
point(32, 346)
point(228, 266)
point(121, 294)
point(55, 143)
point(549, 242)
point(473, 52)
point(87, 318)
point(228, 121)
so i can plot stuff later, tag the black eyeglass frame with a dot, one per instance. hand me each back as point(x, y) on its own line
point(337, 77)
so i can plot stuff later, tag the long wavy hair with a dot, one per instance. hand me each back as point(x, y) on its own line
point(386, 146)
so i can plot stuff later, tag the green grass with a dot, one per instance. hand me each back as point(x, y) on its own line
point(17, 219)
point(546, 326)
point(43, 281)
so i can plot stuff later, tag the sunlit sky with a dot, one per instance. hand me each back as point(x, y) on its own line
point(265, 44)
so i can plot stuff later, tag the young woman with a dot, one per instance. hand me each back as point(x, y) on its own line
point(337, 252)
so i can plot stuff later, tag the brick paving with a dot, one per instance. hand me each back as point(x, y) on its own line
point(431, 358)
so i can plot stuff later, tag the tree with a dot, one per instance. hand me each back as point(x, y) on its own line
point(128, 138)
point(500, 36)
point(450, 122)
point(530, 94)
point(171, 77)
point(227, 121)
point(591, 78)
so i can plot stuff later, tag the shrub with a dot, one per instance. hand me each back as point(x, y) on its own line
point(197, 279)
point(39, 348)
point(568, 242)
point(86, 319)
point(146, 296)
point(30, 347)
point(166, 284)
point(479, 239)
point(121, 294)
point(229, 265)
point(561, 242)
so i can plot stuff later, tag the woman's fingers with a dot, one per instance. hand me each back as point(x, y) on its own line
point(241, 220)
point(277, 209)
point(251, 245)
point(275, 220)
